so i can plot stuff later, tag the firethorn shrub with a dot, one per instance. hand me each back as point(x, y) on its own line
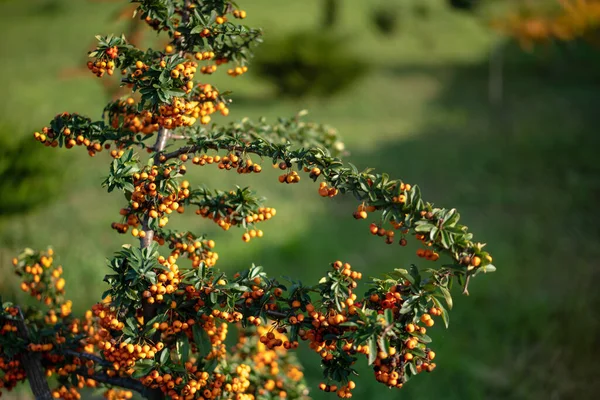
point(160, 328)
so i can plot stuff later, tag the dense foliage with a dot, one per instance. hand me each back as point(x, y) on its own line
point(161, 327)
point(25, 182)
point(560, 20)
point(308, 63)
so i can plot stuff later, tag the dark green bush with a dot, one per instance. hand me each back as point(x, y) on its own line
point(29, 176)
point(385, 19)
point(308, 63)
point(466, 5)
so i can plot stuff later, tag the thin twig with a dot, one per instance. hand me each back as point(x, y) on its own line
point(276, 314)
point(194, 148)
point(178, 137)
point(93, 357)
point(161, 141)
point(185, 19)
point(180, 151)
point(387, 329)
point(466, 288)
point(185, 14)
point(125, 383)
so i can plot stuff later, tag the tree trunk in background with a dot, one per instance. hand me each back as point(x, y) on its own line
point(496, 75)
point(331, 9)
point(500, 120)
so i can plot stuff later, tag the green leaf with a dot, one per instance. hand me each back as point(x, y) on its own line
point(213, 17)
point(488, 268)
point(413, 369)
point(131, 323)
point(389, 316)
point(421, 337)
point(414, 271)
point(372, 343)
point(404, 274)
point(445, 316)
point(142, 368)
point(128, 332)
point(164, 356)
point(418, 352)
point(210, 366)
point(423, 227)
point(447, 296)
point(197, 29)
point(451, 217)
point(384, 344)
point(201, 340)
point(446, 239)
point(407, 306)
point(74, 380)
point(433, 233)
point(183, 348)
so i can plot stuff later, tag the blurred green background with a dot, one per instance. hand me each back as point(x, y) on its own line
point(523, 171)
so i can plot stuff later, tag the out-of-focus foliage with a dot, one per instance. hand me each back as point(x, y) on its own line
point(308, 63)
point(464, 4)
point(558, 20)
point(134, 31)
point(28, 175)
point(386, 19)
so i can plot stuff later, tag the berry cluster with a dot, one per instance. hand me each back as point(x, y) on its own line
point(167, 283)
point(237, 71)
point(41, 279)
point(231, 161)
point(11, 369)
point(241, 14)
point(198, 250)
point(226, 217)
point(66, 130)
point(153, 196)
point(105, 63)
point(99, 68)
point(326, 191)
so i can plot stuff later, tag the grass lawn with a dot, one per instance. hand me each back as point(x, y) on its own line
point(524, 175)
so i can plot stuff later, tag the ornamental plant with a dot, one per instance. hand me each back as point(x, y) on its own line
point(161, 326)
point(561, 21)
